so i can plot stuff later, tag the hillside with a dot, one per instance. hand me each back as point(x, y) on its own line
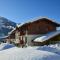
point(5, 26)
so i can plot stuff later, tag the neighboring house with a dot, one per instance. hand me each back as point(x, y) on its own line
point(31, 30)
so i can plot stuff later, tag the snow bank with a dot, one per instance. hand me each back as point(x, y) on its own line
point(4, 46)
point(27, 54)
point(49, 49)
point(55, 48)
point(57, 45)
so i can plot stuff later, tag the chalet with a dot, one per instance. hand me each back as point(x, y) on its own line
point(28, 32)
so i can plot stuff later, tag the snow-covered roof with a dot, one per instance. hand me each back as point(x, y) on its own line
point(18, 25)
point(39, 18)
point(35, 19)
point(4, 37)
point(47, 36)
point(11, 31)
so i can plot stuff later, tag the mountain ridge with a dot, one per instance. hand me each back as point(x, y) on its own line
point(6, 26)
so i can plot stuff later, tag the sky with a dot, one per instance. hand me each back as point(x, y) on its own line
point(20, 11)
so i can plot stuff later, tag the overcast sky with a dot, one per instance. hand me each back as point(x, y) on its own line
point(24, 10)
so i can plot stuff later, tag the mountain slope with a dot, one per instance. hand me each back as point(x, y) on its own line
point(5, 26)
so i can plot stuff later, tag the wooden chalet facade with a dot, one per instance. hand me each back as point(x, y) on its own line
point(31, 30)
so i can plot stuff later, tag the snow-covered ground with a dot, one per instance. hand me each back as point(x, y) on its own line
point(50, 52)
point(4, 46)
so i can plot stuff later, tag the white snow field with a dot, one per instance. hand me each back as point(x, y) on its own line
point(30, 53)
